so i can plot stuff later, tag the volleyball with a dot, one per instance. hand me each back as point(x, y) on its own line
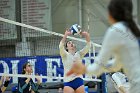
point(75, 29)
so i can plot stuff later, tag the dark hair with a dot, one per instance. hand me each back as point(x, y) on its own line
point(121, 10)
point(24, 66)
point(66, 45)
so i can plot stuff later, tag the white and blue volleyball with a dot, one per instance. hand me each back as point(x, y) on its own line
point(75, 29)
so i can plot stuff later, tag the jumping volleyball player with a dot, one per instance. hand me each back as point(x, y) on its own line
point(120, 44)
point(72, 83)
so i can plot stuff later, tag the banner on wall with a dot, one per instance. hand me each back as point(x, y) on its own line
point(42, 65)
point(36, 13)
point(7, 10)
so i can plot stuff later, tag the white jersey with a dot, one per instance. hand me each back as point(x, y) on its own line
point(123, 46)
point(68, 59)
point(120, 80)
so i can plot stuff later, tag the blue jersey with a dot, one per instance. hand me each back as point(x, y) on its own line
point(26, 88)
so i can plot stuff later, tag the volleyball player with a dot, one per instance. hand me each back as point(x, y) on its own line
point(26, 85)
point(72, 83)
point(5, 85)
point(120, 44)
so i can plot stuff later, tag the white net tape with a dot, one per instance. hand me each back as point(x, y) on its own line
point(44, 77)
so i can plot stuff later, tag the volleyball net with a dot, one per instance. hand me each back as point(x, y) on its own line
point(20, 43)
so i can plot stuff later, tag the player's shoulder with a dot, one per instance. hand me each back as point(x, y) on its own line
point(118, 27)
